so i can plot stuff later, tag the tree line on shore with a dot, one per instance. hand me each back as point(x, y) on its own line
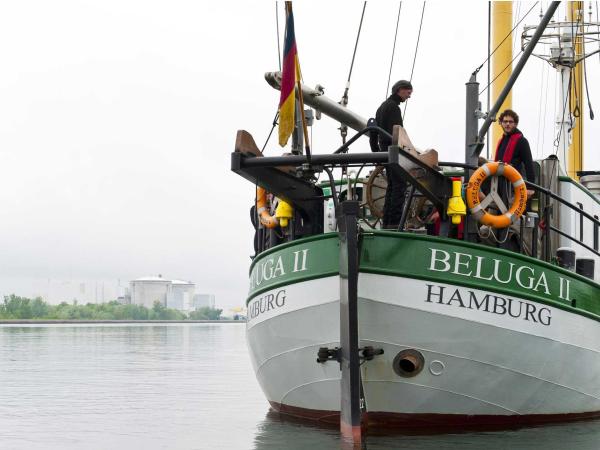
point(15, 308)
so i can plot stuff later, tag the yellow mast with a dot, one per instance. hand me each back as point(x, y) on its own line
point(575, 151)
point(501, 28)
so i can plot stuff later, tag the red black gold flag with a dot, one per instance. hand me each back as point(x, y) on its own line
point(287, 100)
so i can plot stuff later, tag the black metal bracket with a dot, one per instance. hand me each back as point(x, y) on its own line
point(368, 352)
point(335, 354)
point(328, 354)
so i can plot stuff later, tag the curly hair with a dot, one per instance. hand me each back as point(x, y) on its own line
point(510, 113)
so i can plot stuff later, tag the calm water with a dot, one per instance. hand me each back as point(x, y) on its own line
point(180, 386)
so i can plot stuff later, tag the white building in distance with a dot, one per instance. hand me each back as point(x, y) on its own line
point(176, 294)
point(204, 300)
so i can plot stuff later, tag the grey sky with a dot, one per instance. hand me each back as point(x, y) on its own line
point(117, 120)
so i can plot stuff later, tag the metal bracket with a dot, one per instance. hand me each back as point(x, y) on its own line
point(335, 354)
point(368, 352)
point(327, 354)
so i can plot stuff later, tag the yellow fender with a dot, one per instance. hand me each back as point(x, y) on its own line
point(283, 213)
point(266, 219)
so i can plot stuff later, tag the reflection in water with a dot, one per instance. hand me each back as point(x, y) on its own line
point(181, 386)
point(278, 432)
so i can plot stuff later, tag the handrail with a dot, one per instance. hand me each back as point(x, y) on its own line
point(365, 130)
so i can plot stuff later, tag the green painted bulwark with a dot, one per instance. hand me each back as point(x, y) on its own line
point(432, 259)
point(301, 260)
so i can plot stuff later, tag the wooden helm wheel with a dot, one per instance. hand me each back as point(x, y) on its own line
point(376, 187)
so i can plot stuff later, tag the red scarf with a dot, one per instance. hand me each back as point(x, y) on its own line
point(510, 147)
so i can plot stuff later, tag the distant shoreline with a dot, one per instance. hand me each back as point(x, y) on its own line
point(44, 322)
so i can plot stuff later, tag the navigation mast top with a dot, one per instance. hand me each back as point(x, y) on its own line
point(564, 44)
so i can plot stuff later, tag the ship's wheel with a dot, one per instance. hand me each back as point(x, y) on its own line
point(376, 187)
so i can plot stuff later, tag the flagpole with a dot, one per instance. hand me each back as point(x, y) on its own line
point(304, 126)
point(288, 7)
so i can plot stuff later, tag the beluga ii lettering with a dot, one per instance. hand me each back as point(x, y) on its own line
point(488, 269)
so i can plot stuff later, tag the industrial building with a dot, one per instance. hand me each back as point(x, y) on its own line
point(204, 300)
point(176, 294)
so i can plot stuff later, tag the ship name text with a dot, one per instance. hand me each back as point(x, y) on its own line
point(499, 271)
point(278, 265)
point(265, 303)
point(490, 303)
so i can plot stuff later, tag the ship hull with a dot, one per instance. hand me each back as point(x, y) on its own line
point(488, 358)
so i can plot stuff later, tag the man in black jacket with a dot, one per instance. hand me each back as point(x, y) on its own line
point(388, 114)
point(514, 149)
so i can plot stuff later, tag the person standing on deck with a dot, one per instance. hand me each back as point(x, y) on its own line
point(388, 114)
point(514, 149)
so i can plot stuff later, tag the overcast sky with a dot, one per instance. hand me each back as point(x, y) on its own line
point(117, 120)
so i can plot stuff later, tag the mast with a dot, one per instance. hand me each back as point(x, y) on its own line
point(563, 46)
point(501, 59)
point(575, 151)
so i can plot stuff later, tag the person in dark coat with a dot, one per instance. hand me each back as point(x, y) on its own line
point(388, 114)
point(513, 148)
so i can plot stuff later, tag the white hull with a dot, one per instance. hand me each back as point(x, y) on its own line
point(477, 362)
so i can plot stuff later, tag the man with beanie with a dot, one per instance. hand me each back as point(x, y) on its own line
point(388, 115)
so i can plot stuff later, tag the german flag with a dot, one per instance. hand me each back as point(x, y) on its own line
point(287, 100)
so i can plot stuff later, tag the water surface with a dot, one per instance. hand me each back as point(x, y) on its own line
point(179, 386)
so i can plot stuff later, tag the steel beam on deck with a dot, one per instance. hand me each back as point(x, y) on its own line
point(351, 393)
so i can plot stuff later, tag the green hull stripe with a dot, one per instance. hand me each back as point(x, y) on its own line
point(432, 259)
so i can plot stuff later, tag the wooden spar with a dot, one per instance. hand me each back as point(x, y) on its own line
point(575, 151)
point(501, 59)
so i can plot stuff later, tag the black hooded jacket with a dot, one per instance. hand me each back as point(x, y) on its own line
point(388, 114)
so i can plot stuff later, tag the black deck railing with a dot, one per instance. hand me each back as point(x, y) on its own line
point(341, 157)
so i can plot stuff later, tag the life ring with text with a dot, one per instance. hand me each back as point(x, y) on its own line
point(266, 219)
point(478, 208)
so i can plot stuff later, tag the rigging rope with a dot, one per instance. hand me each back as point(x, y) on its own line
point(489, 48)
point(564, 108)
point(597, 22)
point(344, 101)
point(393, 51)
point(412, 70)
point(271, 132)
point(278, 47)
point(345, 96)
point(545, 107)
point(540, 118)
point(587, 90)
point(574, 34)
point(501, 72)
point(505, 38)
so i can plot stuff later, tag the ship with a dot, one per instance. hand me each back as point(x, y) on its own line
point(353, 324)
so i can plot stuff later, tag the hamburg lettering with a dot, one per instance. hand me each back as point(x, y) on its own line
point(491, 303)
point(499, 271)
point(266, 303)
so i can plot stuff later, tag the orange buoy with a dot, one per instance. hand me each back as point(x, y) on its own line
point(477, 207)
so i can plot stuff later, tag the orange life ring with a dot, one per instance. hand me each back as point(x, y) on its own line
point(266, 219)
point(477, 207)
